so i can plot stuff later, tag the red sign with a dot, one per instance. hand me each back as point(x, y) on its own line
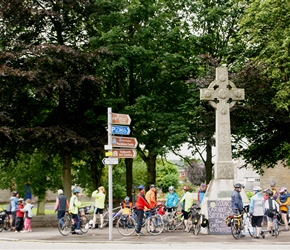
point(124, 142)
point(122, 119)
point(124, 153)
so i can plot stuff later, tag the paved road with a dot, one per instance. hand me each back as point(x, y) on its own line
point(173, 240)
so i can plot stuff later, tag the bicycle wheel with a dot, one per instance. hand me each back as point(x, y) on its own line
point(65, 225)
point(84, 224)
point(1, 225)
point(126, 227)
point(155, 225)
point(236, 232)
point(196, 228)
point(106, 220)
point(248, 226)
point(7, 225)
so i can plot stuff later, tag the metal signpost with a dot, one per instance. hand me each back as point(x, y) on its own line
point(118, 147)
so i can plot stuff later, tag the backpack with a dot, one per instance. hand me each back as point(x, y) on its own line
point(8, 208)
point(270, 212)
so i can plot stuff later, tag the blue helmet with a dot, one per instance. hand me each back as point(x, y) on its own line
point(141, 187)
point(75, 190)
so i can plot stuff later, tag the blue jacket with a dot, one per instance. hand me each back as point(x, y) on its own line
point(237, 202)
point(172, 200)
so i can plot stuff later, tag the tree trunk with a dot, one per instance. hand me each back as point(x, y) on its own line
point(151, 168)
point(67, 174)
point(41, 203)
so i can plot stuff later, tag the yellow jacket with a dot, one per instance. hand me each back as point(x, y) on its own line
point(74, 205)
point(99, 199)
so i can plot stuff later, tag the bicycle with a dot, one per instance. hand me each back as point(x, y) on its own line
point(67, 225)
point(237, 225)
point(4, 221)
point(115, 217)
point(247, 221)
point(275, 226)
point(152, 221)
point(126, 225)
point(172, 219)
point(195, 218)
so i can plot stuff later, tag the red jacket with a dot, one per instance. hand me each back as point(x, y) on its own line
point(18, 212)
point(141, 201)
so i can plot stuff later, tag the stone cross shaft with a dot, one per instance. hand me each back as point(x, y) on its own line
point(222, 94)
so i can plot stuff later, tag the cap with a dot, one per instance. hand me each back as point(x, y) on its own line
point(141, 187)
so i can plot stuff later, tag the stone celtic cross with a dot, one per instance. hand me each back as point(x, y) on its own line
point(222, 94)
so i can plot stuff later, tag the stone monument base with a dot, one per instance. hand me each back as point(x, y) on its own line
point(220, 189)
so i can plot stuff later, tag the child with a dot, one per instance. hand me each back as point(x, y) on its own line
point(19, 216)
point(28, 215)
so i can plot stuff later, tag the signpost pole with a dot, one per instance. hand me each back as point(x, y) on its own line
point(110, 176)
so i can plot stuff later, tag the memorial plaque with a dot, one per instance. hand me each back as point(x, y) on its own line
point(217, 212)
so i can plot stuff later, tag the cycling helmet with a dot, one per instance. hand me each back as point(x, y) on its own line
point(127, 199)
point(171, 188)
point(14, 193)
point(282, 190)
point(152, 186)
point(269, 192)
point(75, 191)
point(186, 188)
point(238, 185)
point(257, 189)
point(272, 184)
point(141, 187)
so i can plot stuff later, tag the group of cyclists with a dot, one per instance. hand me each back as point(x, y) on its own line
point(266, 204)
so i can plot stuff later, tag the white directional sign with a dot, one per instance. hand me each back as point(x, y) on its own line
point(120, 130)
point(110, 161)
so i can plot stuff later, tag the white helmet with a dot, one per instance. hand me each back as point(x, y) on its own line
point(171, 188)
point(257, 189)
point(127, 199)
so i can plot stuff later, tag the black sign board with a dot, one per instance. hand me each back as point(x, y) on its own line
point(218, 210)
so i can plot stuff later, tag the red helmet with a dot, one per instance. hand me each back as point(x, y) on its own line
point(186, 188)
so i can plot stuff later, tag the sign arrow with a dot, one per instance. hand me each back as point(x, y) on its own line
point(124, 153)
point(120, 130)
point(110, 161)
point(124, 142)
point(122, 119)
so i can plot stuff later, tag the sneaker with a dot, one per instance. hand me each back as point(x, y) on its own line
point(29, 231)
point(257, 237)
point(24, 231)
point(78, 232)
point(100, 227)
point(16, 231)
point(154, 231)
point(243, 235)
point(140, 234)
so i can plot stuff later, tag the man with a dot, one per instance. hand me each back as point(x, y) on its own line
point(61, 204)
point(257, 205)
point(236, 198)
point(140, 204)
point(151, 196)
point(74, 206)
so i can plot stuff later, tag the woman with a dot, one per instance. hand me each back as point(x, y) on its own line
point(186, 201)
point(284, 201)
point(99, 195)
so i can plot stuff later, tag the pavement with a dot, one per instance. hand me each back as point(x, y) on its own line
point(102, 236)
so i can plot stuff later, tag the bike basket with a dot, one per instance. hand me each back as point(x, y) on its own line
point(229, 219)
point(203, 221)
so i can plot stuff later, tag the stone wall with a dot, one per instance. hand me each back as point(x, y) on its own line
point(279, 174)
point(48, 220)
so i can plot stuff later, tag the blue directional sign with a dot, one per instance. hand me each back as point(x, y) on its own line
point(120, 130)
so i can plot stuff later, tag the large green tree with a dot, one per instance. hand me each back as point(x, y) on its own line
point(51, 95)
